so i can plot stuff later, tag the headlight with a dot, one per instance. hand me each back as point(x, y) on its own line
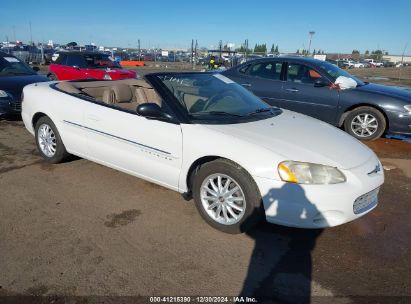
point(107, 77)
point(3, 94)
point(308, 173)
point(408, 108)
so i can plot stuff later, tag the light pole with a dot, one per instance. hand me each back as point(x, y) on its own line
point(311, 33)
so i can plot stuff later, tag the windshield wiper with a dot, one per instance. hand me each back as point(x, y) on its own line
point(261, 110)
point(216, 113)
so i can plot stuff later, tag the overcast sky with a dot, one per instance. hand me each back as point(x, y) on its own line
point(340, 26)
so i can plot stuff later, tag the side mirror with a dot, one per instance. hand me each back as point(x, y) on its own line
point(76, 67)
point(36, 69)
point(321, 82)
point(153, 111)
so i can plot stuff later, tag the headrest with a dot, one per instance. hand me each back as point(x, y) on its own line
point(68, 87)
point(122, 93)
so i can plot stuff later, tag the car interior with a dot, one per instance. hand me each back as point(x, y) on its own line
point(126, 94)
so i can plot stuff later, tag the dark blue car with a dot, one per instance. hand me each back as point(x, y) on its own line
point(305, 85)
point(14, 75)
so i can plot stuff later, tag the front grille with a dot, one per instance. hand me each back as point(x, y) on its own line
point(16, 105)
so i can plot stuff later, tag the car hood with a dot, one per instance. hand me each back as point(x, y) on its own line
point(301, 138)
point(386, 90)
point(15, 84)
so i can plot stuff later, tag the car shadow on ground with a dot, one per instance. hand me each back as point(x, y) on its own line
point(8, 117)
point(280, 267)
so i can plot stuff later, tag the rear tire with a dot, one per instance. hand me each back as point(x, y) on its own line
point(220, 204)
point(49, 142)
point(365, 123)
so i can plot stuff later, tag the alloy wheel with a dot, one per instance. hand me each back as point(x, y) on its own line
point(47, 140)
point(364, 125)
point(223, 199)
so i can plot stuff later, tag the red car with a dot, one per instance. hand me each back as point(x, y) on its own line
point(83, 65)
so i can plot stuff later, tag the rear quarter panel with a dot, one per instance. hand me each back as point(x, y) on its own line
point(41, 99)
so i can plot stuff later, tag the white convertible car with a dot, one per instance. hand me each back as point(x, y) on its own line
point(208, 138)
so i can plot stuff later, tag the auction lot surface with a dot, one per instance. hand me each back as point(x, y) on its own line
point(79, 228)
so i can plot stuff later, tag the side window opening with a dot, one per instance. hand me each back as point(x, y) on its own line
point(300, 73)
point(269, 70)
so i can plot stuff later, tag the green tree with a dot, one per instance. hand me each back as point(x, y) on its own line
point(298, 51)
point(367, 52)
point(376, 55)
point(276, 50)
point(260, 48)
point(272, 51)
point(355, 54)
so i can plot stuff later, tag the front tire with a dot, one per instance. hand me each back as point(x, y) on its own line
point(49, 142)
point(365, 123)
point(227, 197)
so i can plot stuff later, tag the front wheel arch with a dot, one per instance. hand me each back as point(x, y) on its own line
point(353, 107)
point(195, 166)
point(36, 117)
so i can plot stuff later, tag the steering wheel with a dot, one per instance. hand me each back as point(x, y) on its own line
point(212, 100)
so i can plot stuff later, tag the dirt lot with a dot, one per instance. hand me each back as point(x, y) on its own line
point(389, 76)
point(79, 229)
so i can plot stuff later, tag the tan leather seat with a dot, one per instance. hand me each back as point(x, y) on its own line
point(68, 87)
point(122, 93)
point(144, 95)
point(108, 96)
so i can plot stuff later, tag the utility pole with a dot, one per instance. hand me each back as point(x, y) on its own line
point(195, 54)
point(220, 46)
point(246, 48)
point(139, 50)
point(31, 36)
point(311, 34)
point(192, 53)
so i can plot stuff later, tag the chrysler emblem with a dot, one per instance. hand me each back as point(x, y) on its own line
point(376, 170)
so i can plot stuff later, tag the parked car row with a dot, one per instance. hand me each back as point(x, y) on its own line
point(305, 85)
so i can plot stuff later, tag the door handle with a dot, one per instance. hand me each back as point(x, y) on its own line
point(93, 118)
point(292, 90)
point(246, 85)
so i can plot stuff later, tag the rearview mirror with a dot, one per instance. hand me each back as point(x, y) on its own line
point(321, 83)
point(153, 111)
point(36, 69)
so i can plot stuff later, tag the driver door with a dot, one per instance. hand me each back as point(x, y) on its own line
point(147, 148)
point(303, 96)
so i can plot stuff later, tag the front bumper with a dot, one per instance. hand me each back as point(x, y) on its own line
point(399, 122)
point(319, 206)
point(9, 107)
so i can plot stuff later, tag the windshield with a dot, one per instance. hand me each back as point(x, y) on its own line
point(336, 72)
point(214, 97)
point(11, 66)
point(100, 61)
